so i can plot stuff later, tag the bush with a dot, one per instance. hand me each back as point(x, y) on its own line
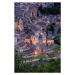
point(53, 66)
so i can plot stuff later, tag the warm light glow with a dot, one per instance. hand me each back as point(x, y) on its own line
point(47, 21)
point(49, 41)
point(27, 9)
point(35, 22)
point(35, 53)
point(18, 26)
point(41, 28)
point(45, 16)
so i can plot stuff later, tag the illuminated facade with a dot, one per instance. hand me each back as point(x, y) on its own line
point(35, 40)
point(46, 40)
point(40, 46)
point(19, 25)
point(50, 42)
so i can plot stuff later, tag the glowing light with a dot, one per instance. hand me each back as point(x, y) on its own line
point(35, 22)
point(18, 26)
point(45, 16)
point(27, 9)
point(47, 21)
point(41, 28)
point(49, 41)
point(35, 53)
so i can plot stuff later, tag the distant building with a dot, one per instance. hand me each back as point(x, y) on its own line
point(40, 46)
point(35, 40)
point(19, 25)
point(45, 40)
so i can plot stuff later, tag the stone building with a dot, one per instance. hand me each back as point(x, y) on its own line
point(40, 46)
point(28, 39)
point(50, 40)
point(35, 40)
point(19, 25)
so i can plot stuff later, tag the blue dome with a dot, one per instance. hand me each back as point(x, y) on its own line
point(40, 36)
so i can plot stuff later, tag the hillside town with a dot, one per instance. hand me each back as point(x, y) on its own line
point(32, 35)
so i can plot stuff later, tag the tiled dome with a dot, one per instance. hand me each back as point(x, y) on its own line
point(40, 36)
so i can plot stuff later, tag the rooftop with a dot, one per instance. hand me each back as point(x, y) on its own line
point(50, 37)
point(28, 37)
point(24, 35)
point(19, 32)
point(21, 44)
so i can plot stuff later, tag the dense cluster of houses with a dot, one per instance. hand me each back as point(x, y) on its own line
point(36, 38)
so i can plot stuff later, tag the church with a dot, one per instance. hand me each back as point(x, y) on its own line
point(47, 40)
point(41, 41)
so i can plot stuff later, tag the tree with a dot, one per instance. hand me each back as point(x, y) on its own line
point(37, 14)
point(51, 10)
point(57, 39)
point(51, 28)
point(17, 61)
point(53, 66)
point(57, 50)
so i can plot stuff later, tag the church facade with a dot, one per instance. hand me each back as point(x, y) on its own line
point(35, 37)
point(45, 40)
point(40, 41)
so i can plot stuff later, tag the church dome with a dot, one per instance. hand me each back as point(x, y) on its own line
point(40, 36)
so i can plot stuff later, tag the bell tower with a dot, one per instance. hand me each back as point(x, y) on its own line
point(40, 46)
point(40, 40)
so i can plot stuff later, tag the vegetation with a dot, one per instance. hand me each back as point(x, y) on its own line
point(51, 10)
point(51, 27)
point(54, 67)
point(37, 14)
point(57, 50)
point(43, 65)
point(57, 39)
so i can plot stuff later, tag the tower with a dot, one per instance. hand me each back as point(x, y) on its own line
point(40, 40)
point(21, 25)
point(40, 46)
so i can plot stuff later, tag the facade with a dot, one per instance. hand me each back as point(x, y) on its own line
point(40, 46)
point(35, 40)
point(19, 25)
point(46, 40)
